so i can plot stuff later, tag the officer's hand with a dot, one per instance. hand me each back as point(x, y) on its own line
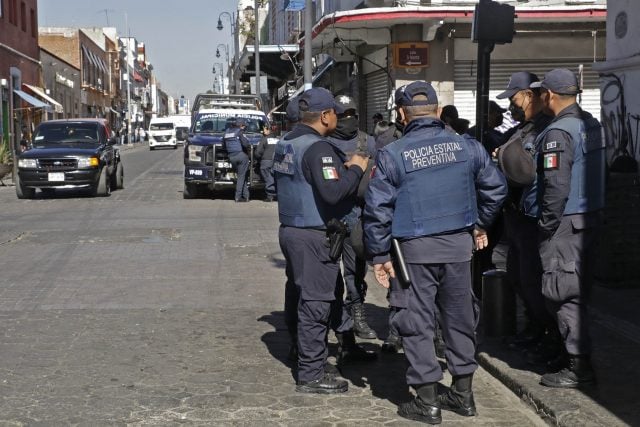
point(358, 160)
point(494, 155)
point(383, 272)
point(480, 238)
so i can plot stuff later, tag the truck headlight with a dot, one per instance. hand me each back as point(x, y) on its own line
point(194, 153)
point(88, 162)
point(27, 163)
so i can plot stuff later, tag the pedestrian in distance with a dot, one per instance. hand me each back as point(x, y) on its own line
point(436, 193)
point(264, 153)
point(524, 270)
point(571, 189)
point(316, 189)
point(237, 146)
point(376, 118)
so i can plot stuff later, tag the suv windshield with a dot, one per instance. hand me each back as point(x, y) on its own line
point(64, 133)
point(161, 126)
point(213, 123)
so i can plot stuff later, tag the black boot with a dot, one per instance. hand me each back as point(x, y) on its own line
point(349, 351)
point(578, 373)
point(424, 407)
point(392, 344)
point(459, 397)
point(360, 326)
point(327, 384)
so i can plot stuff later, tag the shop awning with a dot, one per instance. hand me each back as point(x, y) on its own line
point(323, 68)
point(41, 93)
point(89, 56)
point(31, 100)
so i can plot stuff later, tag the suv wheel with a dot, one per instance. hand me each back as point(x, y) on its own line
point(24, 192)
point(117, 179)
point(191, 191)
point(102, 188)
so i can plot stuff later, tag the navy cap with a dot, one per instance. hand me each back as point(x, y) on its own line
point(559, 80)
point(318, 99)
point(399, 94)
point(346, 102)
point(293, 113)
point(518, 81)
point(416, 89)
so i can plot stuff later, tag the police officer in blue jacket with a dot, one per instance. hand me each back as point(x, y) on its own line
point(315, 185)
point(570, 200)
point(352, 140)
point(237, 145)
point(436, 192)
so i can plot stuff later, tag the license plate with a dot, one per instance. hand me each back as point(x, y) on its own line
point(195, 172)
point(56, 176)
point(224, 165)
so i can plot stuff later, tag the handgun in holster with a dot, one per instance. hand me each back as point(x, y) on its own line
point(336, 233)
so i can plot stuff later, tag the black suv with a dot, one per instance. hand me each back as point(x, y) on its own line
point(73, 153)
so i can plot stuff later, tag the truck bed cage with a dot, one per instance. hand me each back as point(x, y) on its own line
point(216, 100)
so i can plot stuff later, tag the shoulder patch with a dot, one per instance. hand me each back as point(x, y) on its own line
point(551, 146)
point(329, 173)
point(327, 160)
point(551, 161)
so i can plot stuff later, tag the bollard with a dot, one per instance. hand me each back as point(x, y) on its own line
point(498, 312)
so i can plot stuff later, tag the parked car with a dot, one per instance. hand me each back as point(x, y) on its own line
point(71, 153)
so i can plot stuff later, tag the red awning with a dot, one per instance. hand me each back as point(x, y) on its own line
point(137, 77)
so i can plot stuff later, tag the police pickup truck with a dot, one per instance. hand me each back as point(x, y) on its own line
point(206, 164)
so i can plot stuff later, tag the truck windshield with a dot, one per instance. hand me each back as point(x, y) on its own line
point(161, 126)
point(60, 133)
point(214, 124)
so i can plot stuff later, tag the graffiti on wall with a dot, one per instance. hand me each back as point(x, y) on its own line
point(621, 126)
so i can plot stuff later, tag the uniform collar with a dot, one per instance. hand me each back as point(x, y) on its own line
point(301, 129)
point(424, 123)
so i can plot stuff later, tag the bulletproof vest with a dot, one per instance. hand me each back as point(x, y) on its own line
point(436, 192)
point(296, 202)
point(231, 140)
point(587, 188)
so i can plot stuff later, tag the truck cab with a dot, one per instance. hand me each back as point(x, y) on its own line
point(207, 168)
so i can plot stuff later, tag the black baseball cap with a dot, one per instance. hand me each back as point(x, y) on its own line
point(318, 99)
point(518, 81)
point(559, 80)
point(417, 88)
point(399, 93)
point(293, 112)
point(346, 102)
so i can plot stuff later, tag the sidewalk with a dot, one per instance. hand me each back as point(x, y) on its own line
point(614, 401)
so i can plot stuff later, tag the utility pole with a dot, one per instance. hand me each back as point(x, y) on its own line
point(256, 47)
point(126, 19)
point(308, 24)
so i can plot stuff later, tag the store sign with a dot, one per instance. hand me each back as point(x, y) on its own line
point(64, 80)
point(411, 55)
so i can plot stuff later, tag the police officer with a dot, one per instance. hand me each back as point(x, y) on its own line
point(264, 153)
point(516, 160)
point(436, 192)
point(571, 179)
point(351, 140)
point(237, 145)
point(315, 187)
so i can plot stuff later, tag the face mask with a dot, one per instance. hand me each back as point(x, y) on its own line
point(347, 127)
point(517, 112)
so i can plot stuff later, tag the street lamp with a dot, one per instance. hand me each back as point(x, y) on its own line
point(236, 55)
point(226, 51)
point(232, 19)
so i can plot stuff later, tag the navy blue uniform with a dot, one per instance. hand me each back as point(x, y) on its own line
point(265, 152)
point(313, 187)
point(429, 189)
point(571, 181)
point(237, 145)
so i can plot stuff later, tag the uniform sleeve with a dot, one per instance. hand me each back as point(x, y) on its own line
point(260, 148)
point(371, 146)
point(379, 205)
point(557, 158)
point(491, 186)
point(244, 141)
point(325, 171)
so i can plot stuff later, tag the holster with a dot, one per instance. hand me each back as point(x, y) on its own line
point(336, 233)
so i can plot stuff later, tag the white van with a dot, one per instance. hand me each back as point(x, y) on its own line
point(182, 123)
point(162, 133)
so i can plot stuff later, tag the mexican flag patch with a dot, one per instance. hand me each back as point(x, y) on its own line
point(329, 172)
point(551, 161)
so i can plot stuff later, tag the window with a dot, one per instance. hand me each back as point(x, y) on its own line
point(34, 25)
point(23, 16)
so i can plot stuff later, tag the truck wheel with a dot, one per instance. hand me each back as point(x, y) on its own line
point(117, 179)
point(191, 191)
point(24, 192)
point(102, 188)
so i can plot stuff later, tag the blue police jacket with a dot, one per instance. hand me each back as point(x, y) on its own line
point(231, 140)
point(587, 186)
point(296, 202)
point(426, 182)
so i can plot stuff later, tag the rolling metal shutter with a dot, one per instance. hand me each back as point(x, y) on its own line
point(376, 94)
point(465, 83)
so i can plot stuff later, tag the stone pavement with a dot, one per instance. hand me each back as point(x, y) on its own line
point(145, 309)
point(615, 400)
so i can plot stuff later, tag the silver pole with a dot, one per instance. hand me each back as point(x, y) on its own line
point(308, 24)
point(126, 19)
point(257, 49)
